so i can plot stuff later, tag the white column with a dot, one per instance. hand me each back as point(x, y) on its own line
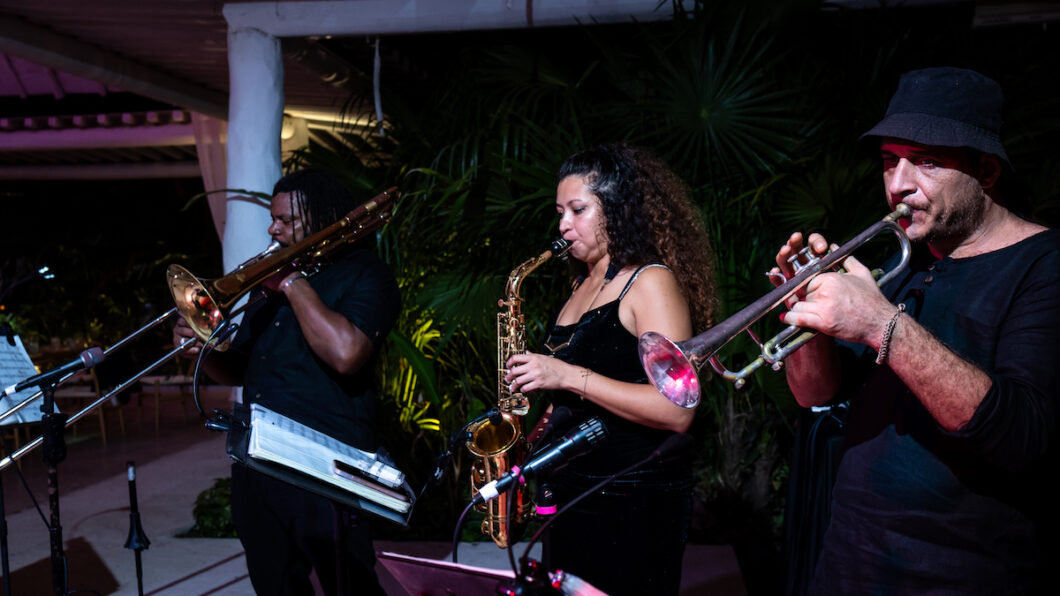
point(255, 119)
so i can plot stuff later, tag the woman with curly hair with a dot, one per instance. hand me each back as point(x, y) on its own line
point(645, 266)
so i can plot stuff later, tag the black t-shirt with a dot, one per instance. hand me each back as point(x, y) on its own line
point(917, 508)
point(284, 375)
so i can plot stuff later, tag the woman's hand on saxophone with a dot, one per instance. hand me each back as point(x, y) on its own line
point(533, 372)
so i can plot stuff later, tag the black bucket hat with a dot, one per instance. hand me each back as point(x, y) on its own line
point(948, 107)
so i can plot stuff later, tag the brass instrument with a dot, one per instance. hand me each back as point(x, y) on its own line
point(501, 443)
point(673, 367)
point(206, 304)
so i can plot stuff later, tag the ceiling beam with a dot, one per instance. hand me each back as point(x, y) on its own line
point(9, 70)
point(66, 54)
point(137, 171)
point(377, 17)
point(165, 135)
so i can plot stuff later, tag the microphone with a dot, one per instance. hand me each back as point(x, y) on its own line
point(85, 360)
point(578, 442)
point(674, 445)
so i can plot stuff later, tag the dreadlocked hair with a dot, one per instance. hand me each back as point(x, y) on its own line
point(321, 198)
point(649, 218)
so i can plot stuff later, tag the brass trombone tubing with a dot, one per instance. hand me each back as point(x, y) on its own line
point(365, 218)
point(17, 454)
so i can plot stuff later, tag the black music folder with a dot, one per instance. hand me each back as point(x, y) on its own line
point(278, 446)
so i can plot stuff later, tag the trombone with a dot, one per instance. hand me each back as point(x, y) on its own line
point(207, 305)
point(673, 367)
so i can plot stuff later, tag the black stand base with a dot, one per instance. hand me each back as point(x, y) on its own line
point(532, 580)
point(54, 449)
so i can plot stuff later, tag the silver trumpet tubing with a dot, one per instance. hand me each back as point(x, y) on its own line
point(673, 367)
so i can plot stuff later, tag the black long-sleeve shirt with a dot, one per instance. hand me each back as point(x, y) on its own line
point(918, 509)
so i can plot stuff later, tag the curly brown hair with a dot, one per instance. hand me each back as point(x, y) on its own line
point(649, 218)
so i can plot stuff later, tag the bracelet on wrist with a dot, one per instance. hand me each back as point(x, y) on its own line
point(299, 275)
point(885, 344)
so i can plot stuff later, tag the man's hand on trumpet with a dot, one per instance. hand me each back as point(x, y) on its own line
point(846, 306)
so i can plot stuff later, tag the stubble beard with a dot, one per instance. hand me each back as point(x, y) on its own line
point(960, 221)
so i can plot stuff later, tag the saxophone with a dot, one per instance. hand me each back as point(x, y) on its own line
point(500, 442)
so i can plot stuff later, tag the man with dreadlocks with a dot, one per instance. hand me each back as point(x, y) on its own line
point(304, 351)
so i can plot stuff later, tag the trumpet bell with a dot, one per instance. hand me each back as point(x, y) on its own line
point(669, 369)
point(195, 303)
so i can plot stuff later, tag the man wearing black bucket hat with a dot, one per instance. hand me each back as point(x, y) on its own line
point(951, 369)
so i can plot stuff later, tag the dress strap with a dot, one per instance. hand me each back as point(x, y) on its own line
point(636, 274)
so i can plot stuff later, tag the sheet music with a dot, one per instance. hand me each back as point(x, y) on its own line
point(279, 439)
point(15, 367)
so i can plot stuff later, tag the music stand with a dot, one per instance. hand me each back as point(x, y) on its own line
point(428, 577)
point(15, 365)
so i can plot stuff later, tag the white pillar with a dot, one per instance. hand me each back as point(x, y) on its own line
point(255, 119)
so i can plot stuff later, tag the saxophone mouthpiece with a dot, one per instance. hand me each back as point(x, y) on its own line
point(559, 248)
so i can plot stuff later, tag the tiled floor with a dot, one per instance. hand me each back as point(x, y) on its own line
point(172, 468)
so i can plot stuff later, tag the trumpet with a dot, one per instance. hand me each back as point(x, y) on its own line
point(207, 304)
point(673, 367)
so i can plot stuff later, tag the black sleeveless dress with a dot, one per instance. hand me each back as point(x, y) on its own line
point(629, 537)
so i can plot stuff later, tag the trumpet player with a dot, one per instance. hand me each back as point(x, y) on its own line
point(303, 350)
point(951, 368)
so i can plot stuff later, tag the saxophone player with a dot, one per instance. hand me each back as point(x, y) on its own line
point(645, 266)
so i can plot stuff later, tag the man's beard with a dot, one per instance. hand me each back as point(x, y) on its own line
point(961, 222)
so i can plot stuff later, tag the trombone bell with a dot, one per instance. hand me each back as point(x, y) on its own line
point(207, 303)
point(195, 303)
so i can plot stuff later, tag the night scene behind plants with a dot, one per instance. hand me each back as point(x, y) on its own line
point(757, 106)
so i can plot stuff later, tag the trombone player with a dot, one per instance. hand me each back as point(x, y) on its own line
point(951, 368)
point(304, 350)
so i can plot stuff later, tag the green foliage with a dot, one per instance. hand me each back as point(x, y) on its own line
point(213, 512)
point(757, 105)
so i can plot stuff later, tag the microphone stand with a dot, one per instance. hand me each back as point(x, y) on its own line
point(533, 580)
point(137, 540)
point(3, 532)
point(6, 331)
point(54, 450)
